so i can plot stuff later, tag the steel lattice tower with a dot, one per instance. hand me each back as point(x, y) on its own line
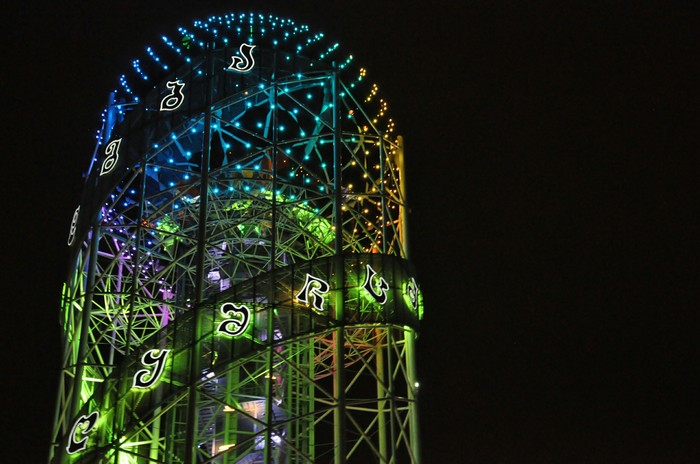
point(239, 288)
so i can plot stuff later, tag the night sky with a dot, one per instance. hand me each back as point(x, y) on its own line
point(552, 170)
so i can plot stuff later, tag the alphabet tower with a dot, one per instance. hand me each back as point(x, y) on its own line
point(239, 287)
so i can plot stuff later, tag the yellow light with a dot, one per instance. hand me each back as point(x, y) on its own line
point(223, 448)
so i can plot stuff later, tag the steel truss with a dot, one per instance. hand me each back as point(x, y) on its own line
point(284, 179)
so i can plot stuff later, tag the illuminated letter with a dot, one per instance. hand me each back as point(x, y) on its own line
point(150, 358)
point(82, 426)
point(112, 152)
point(238, 319)
point(313, 287)
point(380, 295)
point(174, 99)
point(412, 293)
point(73, 225)
point(245, 64)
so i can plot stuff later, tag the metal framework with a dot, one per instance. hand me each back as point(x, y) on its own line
point(240, 290)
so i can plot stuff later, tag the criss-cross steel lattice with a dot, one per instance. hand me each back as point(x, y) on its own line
point(269, 201)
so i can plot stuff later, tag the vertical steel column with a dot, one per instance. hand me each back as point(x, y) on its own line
point(231, 420)
point(135, 270)
point(390, 386)
point(339, 333)
point(311, 395)
point(409, 334)
point(403, 208)
point(269, 423)
point(195, 353)
point(75, 400)
point(382, 191)
point(124, 383)
point(381, 396)
point(409, 339)
point(156, 428)
point(292, 398)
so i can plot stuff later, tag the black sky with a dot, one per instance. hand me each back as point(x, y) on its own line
point(552, 164)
